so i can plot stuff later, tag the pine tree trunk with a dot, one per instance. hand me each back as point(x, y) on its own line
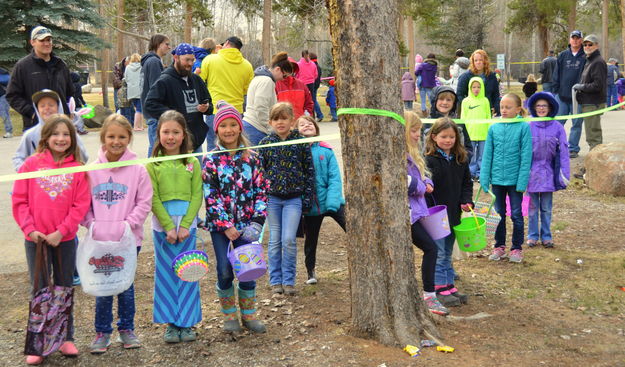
point(188, 22)
point(543, 37)
point(411, 48)
point(120, 26)
point(385, 296)
point(623, 26)
point(104, 60)
point(604, 29)
point(572, 16)
point(267, 32)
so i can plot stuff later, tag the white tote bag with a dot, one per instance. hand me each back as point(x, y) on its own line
point(107, 268)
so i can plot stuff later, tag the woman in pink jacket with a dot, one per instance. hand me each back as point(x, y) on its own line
point(307, 72)
point(119, 196)
point(50, 208)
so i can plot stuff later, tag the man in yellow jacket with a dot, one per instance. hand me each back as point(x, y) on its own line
point(227, 75)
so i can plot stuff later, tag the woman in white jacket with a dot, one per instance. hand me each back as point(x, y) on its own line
point(132, 75)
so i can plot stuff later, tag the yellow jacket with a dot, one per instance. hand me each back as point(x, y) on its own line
point(227, 75)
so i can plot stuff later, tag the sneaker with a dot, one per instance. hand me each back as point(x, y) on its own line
point(34, 360)
point(68, 349)
point(128, 339)
point(573, 154)
point(101, 343)
point(289, 290)
point(516, 256)
point(187, 334)
point(277, 289)
point(435, 306)
point(83, 132)
point(463, 298)
point(172, 334)
point(448, 300)
point(548, 244)
point(7, 136)
point(312, 278)
point(76, 280)
point(532, 243)
point(498, 254)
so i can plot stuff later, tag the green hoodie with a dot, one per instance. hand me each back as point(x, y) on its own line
point(476, 107)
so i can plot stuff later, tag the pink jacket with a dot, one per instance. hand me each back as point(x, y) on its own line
point(307, 71)
point(50, 203)
point(117, 195)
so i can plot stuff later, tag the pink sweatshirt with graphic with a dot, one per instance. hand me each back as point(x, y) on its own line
point(118, 195)
point(50, 203)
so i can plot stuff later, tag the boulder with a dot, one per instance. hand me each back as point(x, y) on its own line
point(101, 113)
point(605, 169)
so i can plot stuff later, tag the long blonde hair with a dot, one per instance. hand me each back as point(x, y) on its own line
point(414, 147)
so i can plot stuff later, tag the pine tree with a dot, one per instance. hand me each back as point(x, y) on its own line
point(70, 21)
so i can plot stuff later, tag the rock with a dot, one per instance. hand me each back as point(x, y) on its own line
point(101, 113)
point(565, 337)
point(605, 169)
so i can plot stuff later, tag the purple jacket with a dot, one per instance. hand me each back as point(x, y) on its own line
point(407, 87)
point(416, 192)
point(620, 85)
point(546, 135)
point(427, 70)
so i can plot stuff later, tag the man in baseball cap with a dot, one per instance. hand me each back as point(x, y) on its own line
point(40, 33)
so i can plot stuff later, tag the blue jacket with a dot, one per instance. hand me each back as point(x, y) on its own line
point(507, 156)
point(328, 185)
point(612, 74)
point(199, 53)
point(331, 97)
point(567, 73)
point(491, 89)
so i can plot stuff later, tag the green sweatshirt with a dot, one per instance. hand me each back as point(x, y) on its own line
point(173, 180)
point(476, 107)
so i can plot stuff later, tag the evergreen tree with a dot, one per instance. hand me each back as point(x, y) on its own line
point(67, 19)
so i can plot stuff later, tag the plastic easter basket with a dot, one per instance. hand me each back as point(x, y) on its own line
point(191, 266)
point(481, 210)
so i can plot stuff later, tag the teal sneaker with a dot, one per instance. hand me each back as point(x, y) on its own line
point(172, 334)
point(187, 334)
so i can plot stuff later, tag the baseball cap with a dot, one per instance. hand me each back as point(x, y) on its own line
point(591, 38)
point(45, 93)
point(40, 32)
point(576, 33)
point(234, 41)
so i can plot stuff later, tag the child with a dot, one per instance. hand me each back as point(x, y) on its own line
point(449, 163)
point(236, 207)
point(506, 166)
point(119, 196)
point(418, 185)
point(476, 106)
point(177, 198)
point(530, 87)
point(50, 208)
point(331, 101)
point(290, 171)
point(46, 102)
point(408, 90)
point(444, 105)
point(547, 138)
point(620, 87)
point(328, 193)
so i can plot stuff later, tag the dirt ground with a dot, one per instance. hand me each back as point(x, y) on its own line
point(561, 307)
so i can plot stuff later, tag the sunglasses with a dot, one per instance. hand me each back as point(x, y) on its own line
point(588, 44)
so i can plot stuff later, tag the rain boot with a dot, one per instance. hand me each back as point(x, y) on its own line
point(229, 309)
point(247, 302)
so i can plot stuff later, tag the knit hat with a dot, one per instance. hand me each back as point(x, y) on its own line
point(331, 82)
point(224, 111)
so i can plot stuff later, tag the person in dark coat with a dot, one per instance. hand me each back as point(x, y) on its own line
point(80, 101)
point(427, 71)
point(480, 66)
point(547, 66)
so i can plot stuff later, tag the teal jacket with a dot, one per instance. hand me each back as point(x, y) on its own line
point(507, 158)
point(328, 185)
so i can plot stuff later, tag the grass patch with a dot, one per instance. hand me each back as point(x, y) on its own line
point(559, 226)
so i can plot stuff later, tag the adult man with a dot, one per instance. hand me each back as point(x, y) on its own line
point(178, 88)
point(547, 67)
point(591, 89)
point(39, 70)
point(151, 69)
point(612, 95)
point(227, 75)
point(567, 73)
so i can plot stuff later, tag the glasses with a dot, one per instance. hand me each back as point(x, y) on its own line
point(542, 106)
point(588, 44)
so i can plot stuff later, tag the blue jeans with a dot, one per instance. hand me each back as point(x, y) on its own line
point(129, 114)
point(152, 125)
point(210, 134)
point(517, 216)
point(611, 95)
point(4, 114)
point(566, 108)
point(408, 105)
point(476, 160)
point(547, 87)
point(335, 117)
point(444, 273)
point(253, 134)
point(426, 94)
point(318, 112)
point(225, 275)
point(115, 99)
point(540, 202)
point(283, 216)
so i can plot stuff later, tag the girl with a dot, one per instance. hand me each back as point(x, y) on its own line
point(328, 193)
point(177, 198)
point(132, 75)
point(119, 196)
point(530, 87)
point(50, 208)
point(448, 161)
point(548, 144)
point(408, 90)
point(289, 169)
point(506, 166)
point(418, 185)
point(236, 207)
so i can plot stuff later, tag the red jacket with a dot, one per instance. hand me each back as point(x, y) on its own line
point(295, 92)
point(50, 203)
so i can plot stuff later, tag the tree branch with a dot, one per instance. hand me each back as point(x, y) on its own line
point(136, 35)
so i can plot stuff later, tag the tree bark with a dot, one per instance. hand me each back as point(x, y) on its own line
point(120, 26)
point(543, 37)
point(410, 37)
point(104, 60)
point(188, 21)
point(267, 32)
point(572, 16)
point(604, 29)
point(623, 26)
point(385, 299)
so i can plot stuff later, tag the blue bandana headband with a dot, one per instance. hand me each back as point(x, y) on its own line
point(183, 49)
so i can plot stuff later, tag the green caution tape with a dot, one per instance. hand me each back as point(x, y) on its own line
point(371, 111)
point(98, 166)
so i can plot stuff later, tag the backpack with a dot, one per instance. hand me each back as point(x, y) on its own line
point(122, 95)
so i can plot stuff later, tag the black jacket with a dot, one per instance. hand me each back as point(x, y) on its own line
point(547, 66)
point(567, 73)
point(529, 88)
point(32, 74)
point(594, 79)
point(318, 80)
point(171, 92)
point(452, 185)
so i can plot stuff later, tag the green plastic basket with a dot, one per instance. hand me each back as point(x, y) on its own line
point(471, 232)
